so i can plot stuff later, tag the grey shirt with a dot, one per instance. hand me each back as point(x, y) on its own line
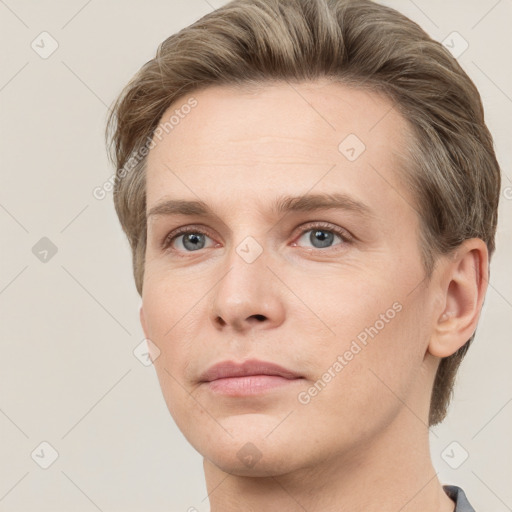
point(458, 496)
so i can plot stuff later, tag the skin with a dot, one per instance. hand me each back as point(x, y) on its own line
point(361, 443)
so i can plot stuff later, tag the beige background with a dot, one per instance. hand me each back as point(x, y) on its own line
point(69, 325)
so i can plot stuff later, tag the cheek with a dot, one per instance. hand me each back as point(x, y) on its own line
point(346, 305)
point(360, 386)
point(168, 302)
point(375, 336)
point(166, 326)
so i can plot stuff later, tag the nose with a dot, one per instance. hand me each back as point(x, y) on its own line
point(248, 296)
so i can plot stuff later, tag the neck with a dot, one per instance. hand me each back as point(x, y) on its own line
point(392, 472)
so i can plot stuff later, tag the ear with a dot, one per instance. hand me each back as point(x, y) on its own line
point(143, 320)
point(463, 285)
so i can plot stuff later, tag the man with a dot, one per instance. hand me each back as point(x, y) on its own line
point(310, 193)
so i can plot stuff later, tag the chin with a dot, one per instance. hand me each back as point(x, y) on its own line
point(252, 446)
point(250, 459)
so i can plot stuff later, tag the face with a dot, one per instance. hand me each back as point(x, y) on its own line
point(301, 249)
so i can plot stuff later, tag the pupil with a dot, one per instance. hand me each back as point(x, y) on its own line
point(193, 241)
point(324, 238)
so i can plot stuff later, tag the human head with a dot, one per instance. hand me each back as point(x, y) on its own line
point(452, 172)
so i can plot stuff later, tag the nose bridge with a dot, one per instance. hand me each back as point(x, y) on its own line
point(245, 295)
point(246, 272)
point(247, 254)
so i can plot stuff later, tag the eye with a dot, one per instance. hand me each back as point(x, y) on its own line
point(322, 236)
point(318, 235)
point(188, 239)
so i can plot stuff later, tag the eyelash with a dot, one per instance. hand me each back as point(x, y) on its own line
point(321, 226)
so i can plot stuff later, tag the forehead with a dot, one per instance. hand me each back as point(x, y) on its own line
point(276, 136)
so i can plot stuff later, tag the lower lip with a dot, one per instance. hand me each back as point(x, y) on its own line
point(249, 385)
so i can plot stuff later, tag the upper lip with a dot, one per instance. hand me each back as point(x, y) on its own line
point(226, 369)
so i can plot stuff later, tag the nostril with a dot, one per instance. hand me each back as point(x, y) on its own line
point(221, 321)
point(259, 317)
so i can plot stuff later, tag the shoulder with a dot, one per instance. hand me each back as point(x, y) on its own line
point(457, 495)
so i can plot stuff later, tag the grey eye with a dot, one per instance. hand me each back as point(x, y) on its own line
point(321, 238)
point(193, 241)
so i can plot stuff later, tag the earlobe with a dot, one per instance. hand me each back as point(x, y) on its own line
point(464, 284)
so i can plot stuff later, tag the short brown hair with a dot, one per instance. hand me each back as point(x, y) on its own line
point(452, 171)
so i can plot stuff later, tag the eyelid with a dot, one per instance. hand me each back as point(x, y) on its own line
point(345, 235)
point(176, 233)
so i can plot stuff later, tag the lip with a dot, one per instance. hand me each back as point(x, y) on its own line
point(251, 377)
point(230, 369)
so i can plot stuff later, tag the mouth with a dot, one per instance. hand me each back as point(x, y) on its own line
point(251, 377)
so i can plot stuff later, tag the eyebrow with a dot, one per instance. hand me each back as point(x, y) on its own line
point(282, 205)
